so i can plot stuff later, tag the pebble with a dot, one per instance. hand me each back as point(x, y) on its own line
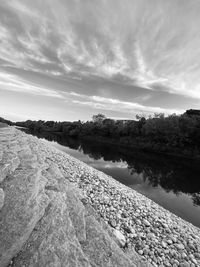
point(169, 241)
point(147, 223)
point(184, 264)
point(140, 252)
point(183, 255)
point(113, 223)
point(164, 245)
point(194, 261)
point(180, 246)
point(151, 236)
point(120, 237)
point(197, 255)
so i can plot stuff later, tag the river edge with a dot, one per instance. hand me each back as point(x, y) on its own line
point(139, 146)
point(157, 235)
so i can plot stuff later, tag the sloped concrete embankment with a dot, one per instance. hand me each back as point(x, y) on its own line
point(45, 220)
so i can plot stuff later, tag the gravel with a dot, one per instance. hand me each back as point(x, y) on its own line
point(159, 236)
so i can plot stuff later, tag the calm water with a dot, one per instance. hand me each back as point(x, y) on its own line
point(173, 183)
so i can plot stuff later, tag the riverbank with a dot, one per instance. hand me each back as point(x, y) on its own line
point(145, 147)
point(139, 146)
point(138, 224)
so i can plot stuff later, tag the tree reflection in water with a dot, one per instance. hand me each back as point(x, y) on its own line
point(172, 174)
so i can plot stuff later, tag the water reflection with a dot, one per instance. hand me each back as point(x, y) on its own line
point(173, 183)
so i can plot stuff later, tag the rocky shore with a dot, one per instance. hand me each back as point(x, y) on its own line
point(44, 192)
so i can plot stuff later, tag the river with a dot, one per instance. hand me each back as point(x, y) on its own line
point(173, 183)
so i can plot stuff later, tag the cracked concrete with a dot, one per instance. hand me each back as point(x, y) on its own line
point(43, 218)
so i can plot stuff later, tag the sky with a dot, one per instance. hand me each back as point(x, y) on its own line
point(70, 59)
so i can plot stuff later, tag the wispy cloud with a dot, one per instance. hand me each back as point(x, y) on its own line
point(138, 45)
point(88, 38)
point(14, 83)
point(98, 102)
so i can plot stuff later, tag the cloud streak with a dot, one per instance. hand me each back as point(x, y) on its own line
point(13, 83)
point(89, 37)
point(102, 103)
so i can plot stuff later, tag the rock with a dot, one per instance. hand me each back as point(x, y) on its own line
point(140, 252)
point(194, 261)
point(120, 237)
point(113, 223)
point(164, 244)
point(166, 263)
point(180, 246)
point(137, 221)
point(164, 225)
point(191, 246)
point(169, 241)
point(145, 251)
point(151, 235)
point(176, 262)
point(184, 264)
point(129, 229)
point(197, 255)
point(183, 255)
point(174, 239)
point(146, 223)
point(124, 214)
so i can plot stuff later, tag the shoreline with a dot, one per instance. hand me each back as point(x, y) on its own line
point(158, 236)
point(137, 146)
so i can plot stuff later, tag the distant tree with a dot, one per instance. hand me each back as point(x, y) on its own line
point(99, 118)
point(176, 134)
point(140, 116)
point(159, 115)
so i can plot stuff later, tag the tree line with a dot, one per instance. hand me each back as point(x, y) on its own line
point(174, 134)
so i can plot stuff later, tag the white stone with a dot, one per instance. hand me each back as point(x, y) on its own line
point(120, 237)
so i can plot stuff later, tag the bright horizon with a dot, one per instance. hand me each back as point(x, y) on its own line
point(67, 60)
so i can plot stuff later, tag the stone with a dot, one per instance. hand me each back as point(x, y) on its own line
point(164, 225)
point(164, 244)
point(197, 255)
point(169, 241)
point(194, 261)
point(176, 262)
point(180, 246)
point(151, 235)
point(113, 223)
point(184, 264)
point(183, 255)
point(140, 252)
point(120, 237)
point(174, 239)
point(146, 223)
